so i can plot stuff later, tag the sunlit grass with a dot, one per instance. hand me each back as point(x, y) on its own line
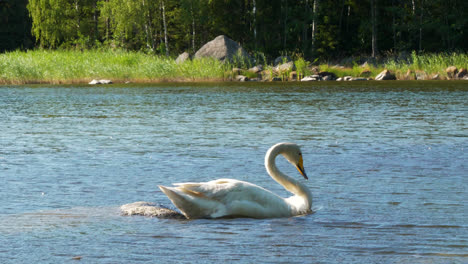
point(60, 66)
point(431, 64)
point(43, 66)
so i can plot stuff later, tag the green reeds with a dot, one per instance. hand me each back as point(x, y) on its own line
point(62, 66)
point(43, 66)
point(430, 64)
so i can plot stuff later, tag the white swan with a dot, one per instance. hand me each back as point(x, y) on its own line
point(233, 198)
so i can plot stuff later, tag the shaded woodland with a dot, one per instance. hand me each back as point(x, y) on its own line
point(315, 29)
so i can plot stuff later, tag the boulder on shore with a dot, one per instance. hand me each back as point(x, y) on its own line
point(451, 72)
point(256, 69)
point(282, 59)
point(224, 49)
point(182, 57)
point(327, 76)
point(311, 78)
point(462, 73)
point(410, 75)
point(385, 75)
point(94, 82)
point(242, 78)
point(286, 67)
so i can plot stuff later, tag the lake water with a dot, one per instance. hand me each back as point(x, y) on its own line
point(387, 165)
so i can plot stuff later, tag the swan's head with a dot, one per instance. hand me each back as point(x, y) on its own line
point(293, 154)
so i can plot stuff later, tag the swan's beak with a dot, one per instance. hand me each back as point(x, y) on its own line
point(300, 168)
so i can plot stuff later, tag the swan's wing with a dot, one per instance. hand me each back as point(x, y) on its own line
point(226, 197)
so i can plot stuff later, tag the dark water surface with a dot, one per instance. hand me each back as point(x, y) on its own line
point(387, 164)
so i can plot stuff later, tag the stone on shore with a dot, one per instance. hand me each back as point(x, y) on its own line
point(410, 75)
point(242, 78)
point(359, 79)
point(365, 73)
point(182, 57)
point(311, 78)
point(282, 59)
point(94, 82)
point(385, 75)
point(327, 76)
point(421, 75)
point(462, 73)
point(451, 72)
point(224, 49)
point(256, 69)
point(286, 67)
point(293, 76)
point(236, 71)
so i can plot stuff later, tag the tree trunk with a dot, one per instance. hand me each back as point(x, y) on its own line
point(420, 25)
point(193, 26)
point(165, 28)
point(374, 27)
point(95, 20)
point(254, 12)
point(314, 22)
point(107, 26)
point(285, 24)
point(394, 25)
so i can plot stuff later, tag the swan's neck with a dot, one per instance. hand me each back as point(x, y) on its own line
point(290, 184)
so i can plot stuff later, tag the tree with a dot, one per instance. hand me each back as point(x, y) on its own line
point(15, 25)
point(374, 27)
point(57, 22)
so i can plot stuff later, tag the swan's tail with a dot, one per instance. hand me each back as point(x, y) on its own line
point(191, 204)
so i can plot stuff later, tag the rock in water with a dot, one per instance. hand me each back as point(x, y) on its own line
point(224, 49)
point(149, 209)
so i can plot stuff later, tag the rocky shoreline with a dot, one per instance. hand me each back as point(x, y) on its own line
point(284, 68)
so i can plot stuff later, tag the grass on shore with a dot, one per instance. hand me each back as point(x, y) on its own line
point(43, 66)
point(430, 64)
point(56, 67)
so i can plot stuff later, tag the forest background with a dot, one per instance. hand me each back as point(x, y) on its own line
point(318, 30)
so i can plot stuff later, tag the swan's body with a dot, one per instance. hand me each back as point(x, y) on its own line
point(233, 198)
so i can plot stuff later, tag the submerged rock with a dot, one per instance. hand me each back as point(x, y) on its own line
point(149, 209)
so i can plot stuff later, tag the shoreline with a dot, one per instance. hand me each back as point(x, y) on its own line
point(59, 67)
point(209, 81)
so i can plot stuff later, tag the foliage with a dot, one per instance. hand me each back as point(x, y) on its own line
point(327, 30)
point(14, 25)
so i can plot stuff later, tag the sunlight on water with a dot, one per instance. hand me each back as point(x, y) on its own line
point(386, 162)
